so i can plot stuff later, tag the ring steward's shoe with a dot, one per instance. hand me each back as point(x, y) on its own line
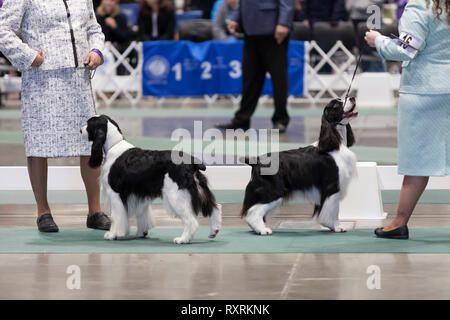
point(400, 233)
point(232, 125)
point(45, 223)
point(98, 220)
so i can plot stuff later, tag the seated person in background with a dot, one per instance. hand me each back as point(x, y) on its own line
point(114, 23)
point(226, 13)
point(331, 11)
point(115, 28)
point(156, 20)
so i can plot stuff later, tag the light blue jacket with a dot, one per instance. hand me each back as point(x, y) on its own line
point(260, 17)
point(426, 71)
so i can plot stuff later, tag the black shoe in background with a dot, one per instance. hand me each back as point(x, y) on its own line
point(45, 223)
point(400, 233)
point(98, 220)
point(232, 125)
point(279, 126)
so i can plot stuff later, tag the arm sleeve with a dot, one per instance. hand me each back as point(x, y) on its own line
point(94, 31)
point(338, 11)
point(413, 22)
point(221, 17)
point(286, 14)
point(238, 16)
point(14, 49)
point(122, 31)
point(170, 31)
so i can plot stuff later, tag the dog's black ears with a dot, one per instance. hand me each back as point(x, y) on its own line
point(350, 136)
point(97, 148)
point(329, 139)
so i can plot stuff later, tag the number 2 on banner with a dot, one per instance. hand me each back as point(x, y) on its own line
point(178, 72)
point(206, 66)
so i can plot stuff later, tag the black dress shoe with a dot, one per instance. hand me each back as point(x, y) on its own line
point(98, 220)
point(400, 233)
point(232, 125)
point(279, 126)
point(45, 223)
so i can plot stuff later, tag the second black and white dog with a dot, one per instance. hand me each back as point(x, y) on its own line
point(319, 173)
point(132, 177)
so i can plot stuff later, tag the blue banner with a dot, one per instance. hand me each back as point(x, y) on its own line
point(184, 68)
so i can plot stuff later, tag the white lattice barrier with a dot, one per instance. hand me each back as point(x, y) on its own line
point(362, 202)
point(109, 87)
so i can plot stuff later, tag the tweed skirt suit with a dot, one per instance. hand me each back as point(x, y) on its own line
point(57, 97)
point(424, 104)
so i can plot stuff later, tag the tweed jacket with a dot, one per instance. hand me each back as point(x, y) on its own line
point(427, 69)
point(260, 17)
point(65, 30)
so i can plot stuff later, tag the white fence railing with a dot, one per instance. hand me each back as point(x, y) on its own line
point(110, 87)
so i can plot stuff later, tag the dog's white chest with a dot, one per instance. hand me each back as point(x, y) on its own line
point(346, 163)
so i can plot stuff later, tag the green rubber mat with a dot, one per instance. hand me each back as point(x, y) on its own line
point(228, 241)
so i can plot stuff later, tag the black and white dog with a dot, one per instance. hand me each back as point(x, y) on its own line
point(132, 177)
point(319, 173)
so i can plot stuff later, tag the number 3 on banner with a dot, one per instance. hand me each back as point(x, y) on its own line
point(177, 69)
point(236, 71)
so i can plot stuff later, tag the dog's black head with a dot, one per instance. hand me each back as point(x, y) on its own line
point(336, 113)
point(97, 132)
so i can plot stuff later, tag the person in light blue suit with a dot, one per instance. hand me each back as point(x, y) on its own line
point(265, 25)
point(424, 104)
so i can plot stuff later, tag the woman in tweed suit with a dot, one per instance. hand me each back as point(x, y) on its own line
point(424, 104)
point(60, 43)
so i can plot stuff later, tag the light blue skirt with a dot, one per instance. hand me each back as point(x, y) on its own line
point(424, 135)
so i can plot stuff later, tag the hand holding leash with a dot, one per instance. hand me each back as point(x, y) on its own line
point(93, 60)
point(371, 36)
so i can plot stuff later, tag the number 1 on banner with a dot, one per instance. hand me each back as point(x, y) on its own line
point(178, 72)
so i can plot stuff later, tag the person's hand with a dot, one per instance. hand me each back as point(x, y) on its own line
point(306, 22)
point(233, 26)
point(111, 22)
point(371, 36)
point(281, 33)
point(92, 61)
point(38, 60)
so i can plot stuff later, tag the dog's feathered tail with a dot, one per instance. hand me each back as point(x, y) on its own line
point(203, 200)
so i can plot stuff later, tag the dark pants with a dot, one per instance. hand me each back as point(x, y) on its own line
point(263, 54)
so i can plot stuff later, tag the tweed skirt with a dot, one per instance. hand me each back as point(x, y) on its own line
point(424, 135)
point(55, 105)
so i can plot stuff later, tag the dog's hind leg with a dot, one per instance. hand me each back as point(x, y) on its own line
point(179, 202)
point(119, 225)
point(215, 221)
point(257, 213)
point(329, 215)
point(144, 220)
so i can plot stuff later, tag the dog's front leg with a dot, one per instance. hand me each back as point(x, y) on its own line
point(119, 225)
point(329, 215)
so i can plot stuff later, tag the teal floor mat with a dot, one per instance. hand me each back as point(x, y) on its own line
point(232, 240)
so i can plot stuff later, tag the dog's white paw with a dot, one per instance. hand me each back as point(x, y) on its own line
point(265, 232)
point(339, 229)
point(181, 240)
point(213, 233)
point(110, 236)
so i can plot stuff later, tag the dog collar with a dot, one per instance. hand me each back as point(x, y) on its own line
point(106, 151)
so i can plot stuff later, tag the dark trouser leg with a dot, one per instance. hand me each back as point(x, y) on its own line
point(253, 77)
point(277, 65)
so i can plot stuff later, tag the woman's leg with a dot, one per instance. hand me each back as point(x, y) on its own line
point(90, 178)
point(412, 189)
point(37, 171)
